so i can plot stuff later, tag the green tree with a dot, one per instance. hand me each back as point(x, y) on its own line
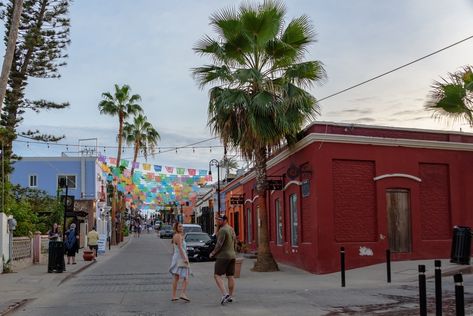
point(40, 52)
point(452, 98)
point(123, 105)
point(258, 98)
point(142, 135)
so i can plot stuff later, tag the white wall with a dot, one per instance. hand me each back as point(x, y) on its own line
point(4, 240)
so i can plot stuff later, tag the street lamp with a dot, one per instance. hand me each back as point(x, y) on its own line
point(63, 184)
point(214, 162)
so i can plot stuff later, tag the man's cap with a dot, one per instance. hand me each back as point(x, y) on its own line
point(222, 217)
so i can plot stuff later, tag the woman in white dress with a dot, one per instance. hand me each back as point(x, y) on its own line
point(179, 264)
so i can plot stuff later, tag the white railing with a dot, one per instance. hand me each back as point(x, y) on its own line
point(22, 248)
point(44, 244)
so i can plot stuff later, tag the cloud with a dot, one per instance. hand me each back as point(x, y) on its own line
point(365, 120)
point(351, 112)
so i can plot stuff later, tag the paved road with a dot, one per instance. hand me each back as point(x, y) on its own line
point(135, 281)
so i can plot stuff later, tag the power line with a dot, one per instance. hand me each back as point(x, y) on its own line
point(395, 69)
point(166, 148)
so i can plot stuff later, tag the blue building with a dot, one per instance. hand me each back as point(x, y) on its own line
point(45, 173)
point(81, 174)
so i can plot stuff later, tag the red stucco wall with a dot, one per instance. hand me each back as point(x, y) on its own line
point(346, 206)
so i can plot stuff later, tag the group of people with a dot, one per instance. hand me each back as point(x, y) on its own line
point(225, 256)
point(71, 241)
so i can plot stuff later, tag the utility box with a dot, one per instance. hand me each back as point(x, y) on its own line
point(461, 245)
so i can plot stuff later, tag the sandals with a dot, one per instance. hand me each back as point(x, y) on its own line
point(185, 299)
point(174, 299)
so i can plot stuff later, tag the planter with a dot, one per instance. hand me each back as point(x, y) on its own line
point(88, 255)
point(238, 263)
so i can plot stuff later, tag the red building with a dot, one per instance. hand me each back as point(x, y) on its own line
point(364, 188)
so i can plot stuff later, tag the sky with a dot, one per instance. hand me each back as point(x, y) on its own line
point(147, 44)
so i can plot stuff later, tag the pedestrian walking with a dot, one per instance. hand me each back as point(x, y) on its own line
point(225, 255)
point(93, 241)
point(180, 268)
point(71, 243)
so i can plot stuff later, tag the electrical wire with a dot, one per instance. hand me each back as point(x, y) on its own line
point(171, 148)
point(395, 69)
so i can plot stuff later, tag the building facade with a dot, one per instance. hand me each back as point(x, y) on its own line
point(81, 175)
point(366, 189)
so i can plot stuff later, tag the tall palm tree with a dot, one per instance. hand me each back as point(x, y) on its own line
point(123, 105)
point(258, 98)
point(142, 135)
point(452, 98)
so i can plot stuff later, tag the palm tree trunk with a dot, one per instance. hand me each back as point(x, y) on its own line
point(264, 260)
point(12, 37)
point(135, 156)
point(120, 135)
point(119, 157)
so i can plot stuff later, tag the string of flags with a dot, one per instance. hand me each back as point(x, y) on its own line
point(152, 186)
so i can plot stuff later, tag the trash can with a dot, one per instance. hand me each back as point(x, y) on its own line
point(461, 245)
point(56, 256)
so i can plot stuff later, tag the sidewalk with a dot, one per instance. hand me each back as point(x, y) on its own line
point(19, 287)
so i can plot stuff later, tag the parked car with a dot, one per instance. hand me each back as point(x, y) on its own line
point(199, 246)
point(192, 228)
point(166, 231)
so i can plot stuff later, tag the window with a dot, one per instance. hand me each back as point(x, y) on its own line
point(294, 220)
point(33, 181)
point(249, 236)
point(277, 207)
point(71, 181)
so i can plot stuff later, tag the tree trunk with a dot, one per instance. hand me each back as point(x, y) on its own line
point(12, 37)
point(113, 238)
point(264, 260)
point(120, 133)
point(135, 156)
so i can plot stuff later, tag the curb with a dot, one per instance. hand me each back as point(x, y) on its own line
point(13, 307)
point(72, 274)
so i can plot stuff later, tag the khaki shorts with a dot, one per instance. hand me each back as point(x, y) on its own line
point(224, 266)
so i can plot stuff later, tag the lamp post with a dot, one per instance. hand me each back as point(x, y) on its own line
point(63, 184)
point(214, 162)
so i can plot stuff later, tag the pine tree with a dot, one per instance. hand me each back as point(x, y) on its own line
point(40, 52)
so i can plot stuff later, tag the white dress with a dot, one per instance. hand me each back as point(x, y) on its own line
point(183, 272)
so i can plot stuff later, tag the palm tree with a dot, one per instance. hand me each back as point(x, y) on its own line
point(142, 135)
point(123, 105)
point(258, 98)
point(453, 97)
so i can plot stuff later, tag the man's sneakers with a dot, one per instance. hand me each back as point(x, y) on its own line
point(226, 299)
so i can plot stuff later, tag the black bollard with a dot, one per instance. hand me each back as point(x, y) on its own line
point(342, 265)
point(459, 295)
point(438, 288)
point(422, 291)
point(388, 265)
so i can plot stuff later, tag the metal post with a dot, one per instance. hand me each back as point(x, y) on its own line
point(388, 265)
point(65, 210)
point(459, 295)
point(342, 265)
point(218, 188)
point(438, 288)
point(214, 162)
point(422, 291)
